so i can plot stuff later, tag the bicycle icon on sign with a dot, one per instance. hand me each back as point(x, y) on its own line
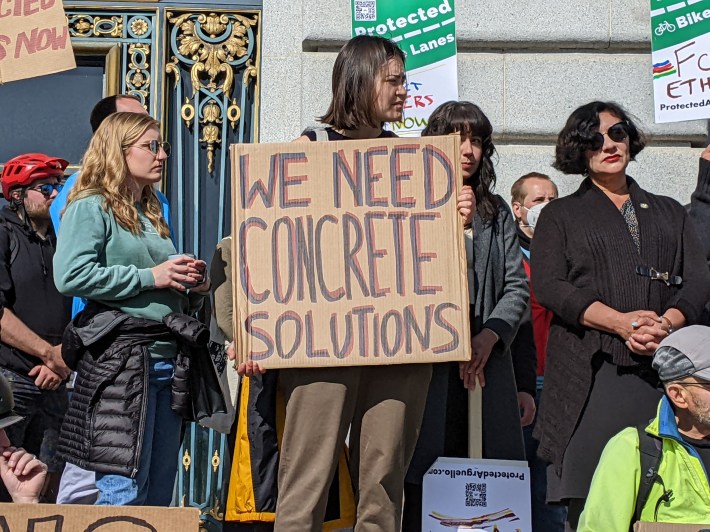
point(664, 27)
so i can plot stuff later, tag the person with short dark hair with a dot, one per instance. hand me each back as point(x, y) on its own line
point(124, 103)
point(620, 268)
point(677, 442)
point(381, 406)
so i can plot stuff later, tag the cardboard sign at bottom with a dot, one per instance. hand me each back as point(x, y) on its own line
point(669, 527)
point(78, 518)
point(467, 494)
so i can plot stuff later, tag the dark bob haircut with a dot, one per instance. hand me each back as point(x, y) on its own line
point(468, 119)
point(354, 77)
point(575, 139)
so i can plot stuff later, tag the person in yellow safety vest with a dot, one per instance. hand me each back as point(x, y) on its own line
point(672, 486)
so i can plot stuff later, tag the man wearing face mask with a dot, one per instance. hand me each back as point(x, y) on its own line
point(530, 194)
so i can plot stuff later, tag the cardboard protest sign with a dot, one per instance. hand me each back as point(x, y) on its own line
point(466, 494)
point(426, 32)
point(669, 527)
point(680, 41)
point(75, 517)
point(349, 253)
point(34, 39)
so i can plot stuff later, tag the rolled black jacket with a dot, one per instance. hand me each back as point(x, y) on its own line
point(104, 426)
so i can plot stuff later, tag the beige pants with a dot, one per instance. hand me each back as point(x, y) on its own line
point(383, 407)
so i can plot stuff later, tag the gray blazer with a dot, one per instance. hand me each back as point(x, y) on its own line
point(500, 283)
point(501, 300)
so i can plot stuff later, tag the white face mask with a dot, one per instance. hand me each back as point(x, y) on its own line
point(534, 214)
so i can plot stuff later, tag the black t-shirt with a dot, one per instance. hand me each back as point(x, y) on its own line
point(334, 135)
point(27, 289)
point(703, 449)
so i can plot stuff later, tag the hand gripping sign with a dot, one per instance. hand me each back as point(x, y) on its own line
point(349, 253)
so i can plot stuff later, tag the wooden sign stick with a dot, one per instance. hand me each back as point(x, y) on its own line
point(475, 422)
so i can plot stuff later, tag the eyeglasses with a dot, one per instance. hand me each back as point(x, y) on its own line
point(618, 133)
point(701, 384)
point(154, 147)
point(47, 188)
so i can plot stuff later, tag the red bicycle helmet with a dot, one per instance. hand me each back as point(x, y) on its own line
point(25, 169)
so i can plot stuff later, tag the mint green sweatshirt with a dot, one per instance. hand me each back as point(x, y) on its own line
point(97, 259)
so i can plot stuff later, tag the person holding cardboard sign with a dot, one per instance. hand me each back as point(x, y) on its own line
point(382, 406)
point(621, 269)
point(498, 295)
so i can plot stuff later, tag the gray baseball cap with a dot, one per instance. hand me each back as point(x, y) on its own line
point(7, 405)
point(684, 353)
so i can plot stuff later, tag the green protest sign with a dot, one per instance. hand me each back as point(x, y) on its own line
point(680, 41)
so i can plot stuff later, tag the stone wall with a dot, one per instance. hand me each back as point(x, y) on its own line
point(527, 64)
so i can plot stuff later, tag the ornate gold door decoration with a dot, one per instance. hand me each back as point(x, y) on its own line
point(127, 40)
point(212, 46)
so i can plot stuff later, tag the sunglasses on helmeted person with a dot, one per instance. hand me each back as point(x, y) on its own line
point(618, 133)
point(47, 188)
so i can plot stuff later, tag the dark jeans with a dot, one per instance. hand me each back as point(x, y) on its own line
point(154, 482)
point(545, 517)
point(42, 412)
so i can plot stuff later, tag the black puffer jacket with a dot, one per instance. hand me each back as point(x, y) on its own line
point(103, 428)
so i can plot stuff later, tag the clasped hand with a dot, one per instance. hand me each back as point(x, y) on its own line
point(642, 331)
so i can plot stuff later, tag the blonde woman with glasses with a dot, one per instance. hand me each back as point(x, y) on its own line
point(115, 250)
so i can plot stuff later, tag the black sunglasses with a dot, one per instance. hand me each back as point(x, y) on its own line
point(47, 188)
point(154, 147)
point(618, 133)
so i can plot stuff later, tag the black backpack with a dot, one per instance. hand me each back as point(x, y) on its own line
point(12, 237)
point(650, 455)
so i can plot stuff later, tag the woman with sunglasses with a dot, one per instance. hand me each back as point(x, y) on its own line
point(114, 250)
point(621, 269)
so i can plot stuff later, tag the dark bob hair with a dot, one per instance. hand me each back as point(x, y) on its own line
point(354, 76)
point(468, 119)
point(576, 137)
